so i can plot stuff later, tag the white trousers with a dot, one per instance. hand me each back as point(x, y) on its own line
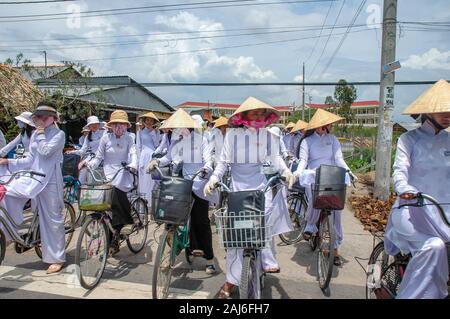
point(235, 258)
point(51, 222)
point(427, 273)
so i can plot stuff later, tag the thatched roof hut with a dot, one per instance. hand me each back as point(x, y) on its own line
point(17, 93)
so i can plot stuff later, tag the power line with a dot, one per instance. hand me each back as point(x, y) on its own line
point(98, 82)
point(328, 39)
point(33, 2)
point(320, 33)
point(358, 11)
point(300, 28)
point(118, 43)
point(162, 8)
point(305, 28)
point(208, 49)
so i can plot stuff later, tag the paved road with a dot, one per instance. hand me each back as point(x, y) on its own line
point(129, 276)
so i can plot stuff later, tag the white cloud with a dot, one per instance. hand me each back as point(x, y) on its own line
point(205, 65)
point(432, 59)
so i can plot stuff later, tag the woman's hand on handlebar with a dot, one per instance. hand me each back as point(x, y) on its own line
point(210, 185)
point(408, 196)
point(81, 165)
point(154, 163)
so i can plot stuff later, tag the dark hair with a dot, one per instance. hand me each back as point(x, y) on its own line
point(28, 130)
point(307, 134)
point(89, 136)
point(47, 103)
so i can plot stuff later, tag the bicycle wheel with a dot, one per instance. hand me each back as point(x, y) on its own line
point(2, 246)
point(297, 210)
point(69, 227)
point(137, 239)
point(378, 262)
point(250, 286)
point(92, 251)
point(325, 254)
point(164, 262)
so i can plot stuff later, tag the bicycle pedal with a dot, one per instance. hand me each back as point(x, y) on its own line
point(20, 249)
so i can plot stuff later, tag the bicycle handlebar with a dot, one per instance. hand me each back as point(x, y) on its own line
point(268, 185)
point(124, 167)
point(420, 203)
point(23, 173)
point(193, 176)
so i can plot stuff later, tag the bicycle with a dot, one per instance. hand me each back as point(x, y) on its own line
point(246, 229)
point(93, 243)
point(327, 198)
point(385, 272)
point(175, 236)
point(30, 238)
point(297, 207)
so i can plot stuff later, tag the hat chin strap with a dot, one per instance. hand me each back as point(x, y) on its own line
point(435, 124)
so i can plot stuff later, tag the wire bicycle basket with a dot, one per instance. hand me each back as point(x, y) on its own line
point(95, 198)
point(245, 229)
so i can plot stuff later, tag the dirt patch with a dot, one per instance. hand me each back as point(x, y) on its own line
point(372, 213)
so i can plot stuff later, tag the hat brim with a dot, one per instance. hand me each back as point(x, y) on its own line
point(118, 122)
point(24, 120)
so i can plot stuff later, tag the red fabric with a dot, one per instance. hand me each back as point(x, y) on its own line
point(2, 192)
point(328, 202)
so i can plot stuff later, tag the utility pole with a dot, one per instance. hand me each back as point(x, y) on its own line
point(387, 80)
point(303, 93)
point(45, 57)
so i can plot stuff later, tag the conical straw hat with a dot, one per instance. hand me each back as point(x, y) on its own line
point(434, 100)
point(252, 103)
point(322, 118)
point(300, 125)
point(150, 115)
point(119, 116)
point(221, 121)
point(180, 119)
point(290, 125)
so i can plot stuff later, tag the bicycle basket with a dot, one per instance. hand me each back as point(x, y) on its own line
point(95, 197)
point(244, 229)
point(173, 200)
point(70, 165)
point(330, 188)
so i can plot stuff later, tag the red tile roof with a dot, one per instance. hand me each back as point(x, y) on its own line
point(354, 104)
point(280, 108)
point(224, 105)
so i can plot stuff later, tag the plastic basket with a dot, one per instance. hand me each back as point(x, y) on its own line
point(245, 229)
point(329, 189)
point(95, 198)
point(172, 201)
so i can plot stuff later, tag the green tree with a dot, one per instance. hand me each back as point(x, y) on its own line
point(65, 94)
point(343, 97)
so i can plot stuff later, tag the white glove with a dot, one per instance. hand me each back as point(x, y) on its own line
point(353, 176)
point(290, 178)
point(210, 186)
point(152, 165)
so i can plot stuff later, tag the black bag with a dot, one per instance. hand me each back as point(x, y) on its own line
point(175, 200)
point(330, 188)
point(70, 165)
point(245, 221)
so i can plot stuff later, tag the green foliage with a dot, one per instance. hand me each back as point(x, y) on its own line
point(297, 115)
point(362, 159)
point(12, 132)
point(343, 97)
point(70, 109)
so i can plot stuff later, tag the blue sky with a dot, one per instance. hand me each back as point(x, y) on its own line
point(424, 55)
